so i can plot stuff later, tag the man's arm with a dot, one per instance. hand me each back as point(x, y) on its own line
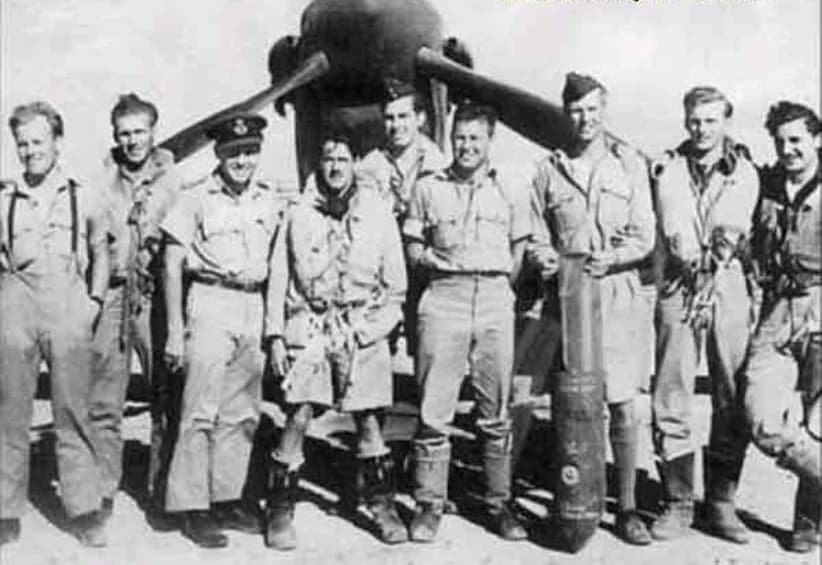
point(173, 293)
point(277, 286)
point(98, 234)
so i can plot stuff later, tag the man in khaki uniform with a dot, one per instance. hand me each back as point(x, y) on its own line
point(408, 155)
point(466, 231)
point(785, 360)
point(219, 233)
point(706, 192)
point(336, 286)
point(140, 184)
point(593, 198)
point(51, 229)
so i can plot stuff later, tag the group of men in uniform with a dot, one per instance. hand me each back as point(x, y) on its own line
point(207, 281)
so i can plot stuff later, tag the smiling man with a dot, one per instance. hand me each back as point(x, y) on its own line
point(51, 232)
point(466, 231)
point(786, 351)
point(219, 233)
point(706, 192)
point(140, 184)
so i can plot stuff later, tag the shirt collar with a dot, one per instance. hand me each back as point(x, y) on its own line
point(157, 163)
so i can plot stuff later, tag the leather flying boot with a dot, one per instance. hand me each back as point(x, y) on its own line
point(721, 479)
point(431, 461)
point(631, 528)
point(237, 515)
point(9, 530)
point(807, 519)
point(678, 479)
point(89, 529)
point(200, 527)
point(279, 512)
point(378, 491)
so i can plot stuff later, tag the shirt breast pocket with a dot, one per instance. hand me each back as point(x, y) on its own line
point(615, 203)
point(446, 232)
point(219, 224)
point(568, 213)
point(493, 228)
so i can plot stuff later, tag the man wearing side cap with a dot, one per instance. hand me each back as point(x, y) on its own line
point(336, 286)
point(395, 170)
point(219, 233)
point(706, 191)
point(593, 197)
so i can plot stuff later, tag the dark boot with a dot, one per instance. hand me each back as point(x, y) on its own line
point(623, 435)
point(807, 520)
point(9, 530)
point(678, 480)
point(200, 527)
point(431, 461)
point(89, 529)
point(237, 515)
point(279, 511)
point(496, 465)
point(378, 490)
point(721, 479)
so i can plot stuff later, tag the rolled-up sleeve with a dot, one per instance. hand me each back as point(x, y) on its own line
point(414, 226)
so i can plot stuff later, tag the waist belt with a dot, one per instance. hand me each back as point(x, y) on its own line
point(116, 281)
point(445, 274)
point(320, 305)
point(231, 284)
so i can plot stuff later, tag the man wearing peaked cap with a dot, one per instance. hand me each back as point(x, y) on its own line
point(239, 130)
point(219, 233)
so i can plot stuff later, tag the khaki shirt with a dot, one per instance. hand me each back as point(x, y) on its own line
point(467, 226)
point(225, 235)
point(147, 195)
point(606, 208)
point(320, 262)
point(691, 208)
point(38, 241)
point(396, 178)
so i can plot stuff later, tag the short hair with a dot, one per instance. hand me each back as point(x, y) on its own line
point(705, 95)
point(128, 104)
point(25, 113)
point(784, 111)
point(470, 111)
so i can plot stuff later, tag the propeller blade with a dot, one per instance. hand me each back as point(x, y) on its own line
point(191, 139)
point(534, 118)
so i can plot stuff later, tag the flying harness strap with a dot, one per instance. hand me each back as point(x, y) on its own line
point(15, 196)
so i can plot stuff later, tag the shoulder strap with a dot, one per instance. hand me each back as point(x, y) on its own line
point(12, 206)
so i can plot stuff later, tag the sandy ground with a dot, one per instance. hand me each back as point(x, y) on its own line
point(765, 499)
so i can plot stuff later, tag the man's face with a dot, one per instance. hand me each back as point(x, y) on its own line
point(796, 147)
point(337, 166)
point(239, 163)
point(587, 116)
point(401, 122)
point(134, 135)
point(471, 142)
point(37, 146)
point(707, 125)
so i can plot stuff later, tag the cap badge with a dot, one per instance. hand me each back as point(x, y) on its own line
point(240, 127)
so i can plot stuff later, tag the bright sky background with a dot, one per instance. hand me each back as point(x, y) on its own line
point(194, 57)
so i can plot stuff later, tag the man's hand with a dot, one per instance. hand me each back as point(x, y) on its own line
point(278, 355)
point(173, 355)
point(600, 263)
point(545, 258)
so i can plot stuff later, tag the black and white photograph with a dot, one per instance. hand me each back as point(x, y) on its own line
point(410, 281)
